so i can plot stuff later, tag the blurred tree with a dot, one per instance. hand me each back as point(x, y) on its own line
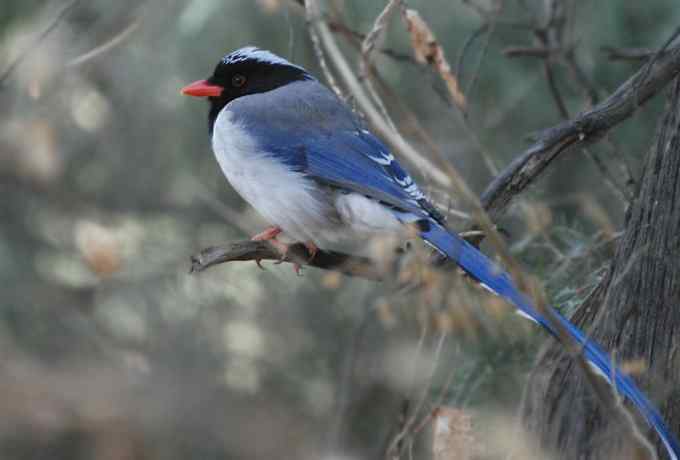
point(634, 311)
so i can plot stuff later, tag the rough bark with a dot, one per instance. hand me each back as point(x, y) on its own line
point(635, 311)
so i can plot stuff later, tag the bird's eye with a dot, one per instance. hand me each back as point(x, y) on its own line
point(238, 80)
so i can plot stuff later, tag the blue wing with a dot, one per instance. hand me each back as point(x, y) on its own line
point(322, 138)
point(354, 160)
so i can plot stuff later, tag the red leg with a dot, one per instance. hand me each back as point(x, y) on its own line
point(283, 250)
point(268, 234)
point(312, 249)
point(281, 247)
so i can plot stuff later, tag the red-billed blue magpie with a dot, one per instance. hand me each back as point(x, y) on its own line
point(306, 162)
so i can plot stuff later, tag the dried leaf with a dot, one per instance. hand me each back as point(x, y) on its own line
point(538, 217)
point(386, 314)
point(331, 280)
point(270, 6)
point(453, 435)
point(634, 366)
point(428, 51)
point(99, 246)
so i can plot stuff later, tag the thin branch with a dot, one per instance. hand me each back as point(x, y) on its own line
point(35, 44)
point(554, 90)
point(529, 51)
point(581, 78)
point(548, 65)
point(467, 44)
point(312, 14)
point(581, 130)
point(104, 47)
point(376, 34)
point(491, 19)
point(348, 32)
point(320, 28)
point(628, 54)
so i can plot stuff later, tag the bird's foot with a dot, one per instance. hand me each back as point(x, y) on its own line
point(268, 234)
point(283, 250)
point(312, 249)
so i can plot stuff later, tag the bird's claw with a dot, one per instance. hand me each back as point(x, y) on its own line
point(312, 249)
point(268, 234)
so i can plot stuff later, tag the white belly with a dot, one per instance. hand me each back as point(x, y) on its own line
point(283, 197)
point(303, 209)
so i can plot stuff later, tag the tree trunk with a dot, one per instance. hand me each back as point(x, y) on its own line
point(634, 312)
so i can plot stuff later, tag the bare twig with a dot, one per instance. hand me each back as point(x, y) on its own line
point(312, 15)
point(376, 34)
point(548, 67)
point(552, 84)
point(490, 19)
point(581, 78)
point(529, 51)
point(410, 122)
point(345, 30)
point(23, 55)
point(581, 130)
point(320, 28)
point(467, 44)
point(628, 54)
point(104, 47)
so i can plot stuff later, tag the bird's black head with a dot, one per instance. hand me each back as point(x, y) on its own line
point(245, 71)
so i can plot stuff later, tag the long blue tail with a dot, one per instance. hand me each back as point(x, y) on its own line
point(490, 275)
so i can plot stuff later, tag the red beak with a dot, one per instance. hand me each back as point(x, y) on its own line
point(202, 88)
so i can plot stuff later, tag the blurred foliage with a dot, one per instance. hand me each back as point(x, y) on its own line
point(110, 349)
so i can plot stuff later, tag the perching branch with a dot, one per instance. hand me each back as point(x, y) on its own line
point(585, 128)
point(261, 250)
point(351, 265)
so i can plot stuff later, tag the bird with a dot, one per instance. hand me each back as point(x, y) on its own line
point(305, 161)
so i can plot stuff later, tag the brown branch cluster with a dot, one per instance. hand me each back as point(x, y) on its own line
point(582, 130)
